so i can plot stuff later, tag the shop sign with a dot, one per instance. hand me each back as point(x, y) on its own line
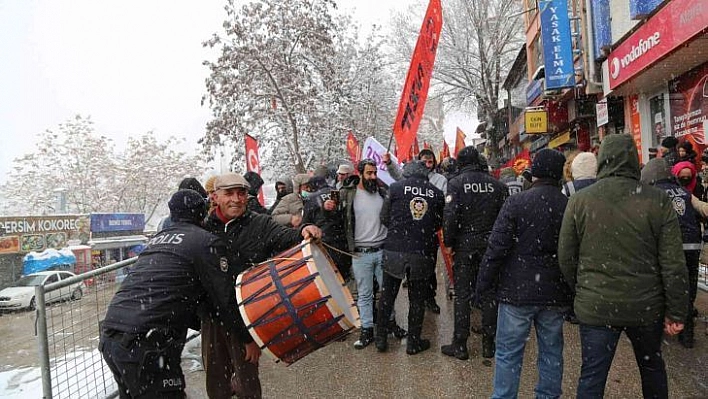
point(557, 44)
point(559, 139)
point(689, 106)
point(603, 114)
point(533, 90)
point(37, 233)
point(672, 26)
point(640, 9)
point(106, 222)
point(602, 31)
point(540, 143)
point(536, 121)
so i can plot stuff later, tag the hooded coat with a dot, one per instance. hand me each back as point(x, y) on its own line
point(620, 246)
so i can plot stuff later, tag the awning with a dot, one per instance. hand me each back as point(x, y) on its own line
point(117, 242)
point(559, 139)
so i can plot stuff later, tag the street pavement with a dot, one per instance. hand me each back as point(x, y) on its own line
point(339, 370)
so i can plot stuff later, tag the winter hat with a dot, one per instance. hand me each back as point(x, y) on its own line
point(191, 183)
point(656, 170)
point(317, 182)
point(344, 168)
point(299, 180)
point(415, 169)
point(322, 171)
point(187, 206)
point(548, 163)
point(669, 142)
point(230, 180)
point(255, 181)
point(584, 166)
point(468, 156)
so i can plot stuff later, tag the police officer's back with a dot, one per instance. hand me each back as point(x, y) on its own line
point(146, 323)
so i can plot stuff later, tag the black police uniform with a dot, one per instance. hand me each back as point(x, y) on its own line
point(332, 225)
point(143, 333)
point(473, 201)
point(412, 211)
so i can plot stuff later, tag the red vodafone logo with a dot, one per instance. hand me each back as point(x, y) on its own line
point(253, 164)
point(615, 68)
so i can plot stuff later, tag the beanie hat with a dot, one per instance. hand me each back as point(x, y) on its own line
point(669, 142)
point(255, 181)
point(548, 163)
point(468, 156)
point(191, 183)
point(584, 166)
point(415, 169)
point(317, 182)
point(187, 206)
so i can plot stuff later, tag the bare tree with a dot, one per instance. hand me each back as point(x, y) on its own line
point(480, 39)
point(83, 164)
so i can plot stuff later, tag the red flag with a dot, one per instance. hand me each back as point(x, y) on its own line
point(252, 161)
point(459, 141)
point(416, 148)
point(521, 161)
point(415, 90)
point(427, 146)
point(353, 148)
point(445, 153)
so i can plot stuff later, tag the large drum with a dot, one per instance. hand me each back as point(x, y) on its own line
point(295, 303)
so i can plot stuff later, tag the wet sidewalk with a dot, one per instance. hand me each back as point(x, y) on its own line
point(339, 370)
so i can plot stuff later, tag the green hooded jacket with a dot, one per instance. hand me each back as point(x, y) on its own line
point(620, 246)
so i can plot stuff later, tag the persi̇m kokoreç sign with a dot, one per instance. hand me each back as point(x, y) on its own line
point(557, 44)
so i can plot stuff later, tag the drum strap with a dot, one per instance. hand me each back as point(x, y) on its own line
point(339, 250)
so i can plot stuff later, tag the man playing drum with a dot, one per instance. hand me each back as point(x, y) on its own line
point(230, 361)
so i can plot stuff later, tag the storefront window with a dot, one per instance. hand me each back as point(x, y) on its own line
point(657, 115)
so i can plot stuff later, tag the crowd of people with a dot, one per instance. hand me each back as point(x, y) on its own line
point(596, 240)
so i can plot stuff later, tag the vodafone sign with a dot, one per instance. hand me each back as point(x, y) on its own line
point(678, 22)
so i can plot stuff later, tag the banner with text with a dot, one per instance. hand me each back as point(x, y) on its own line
point(557, 44)
point(375, 150)
point(415, 91)
point(689, 106)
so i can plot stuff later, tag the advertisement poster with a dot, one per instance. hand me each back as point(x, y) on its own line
point(9, 245)
point(635, 119)
point(689, 106)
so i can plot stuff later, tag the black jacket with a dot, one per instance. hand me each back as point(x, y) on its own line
point(330, 222)
point(255, 206)
point(473, 201)
point(182, 267)
point(521, 260)
point(412, 211)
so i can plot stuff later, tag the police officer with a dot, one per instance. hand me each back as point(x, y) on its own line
point(412, 211)
point(145, 327)
point(321, 209)
point(473, 201)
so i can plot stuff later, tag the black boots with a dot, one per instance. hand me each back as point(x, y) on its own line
point(457, 349)
point(488, 346)
point(416, 345)
point(396, 330)
point(365, 339)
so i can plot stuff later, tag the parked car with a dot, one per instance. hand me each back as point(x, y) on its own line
point(20, 295)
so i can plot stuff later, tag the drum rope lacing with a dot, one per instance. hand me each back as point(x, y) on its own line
point(339, 250)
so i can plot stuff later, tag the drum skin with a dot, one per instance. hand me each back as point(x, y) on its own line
point(287, 305)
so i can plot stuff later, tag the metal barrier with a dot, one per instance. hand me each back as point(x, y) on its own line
point(67, 336)
point(703, 277)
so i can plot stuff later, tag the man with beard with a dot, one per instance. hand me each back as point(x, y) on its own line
point(362, 199)
point(230, 361)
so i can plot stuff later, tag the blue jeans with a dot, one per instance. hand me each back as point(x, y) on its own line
point(366, 266)
point(513, 326)
point(598, 348)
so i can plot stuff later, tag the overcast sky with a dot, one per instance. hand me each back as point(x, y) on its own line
point(133, 66)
